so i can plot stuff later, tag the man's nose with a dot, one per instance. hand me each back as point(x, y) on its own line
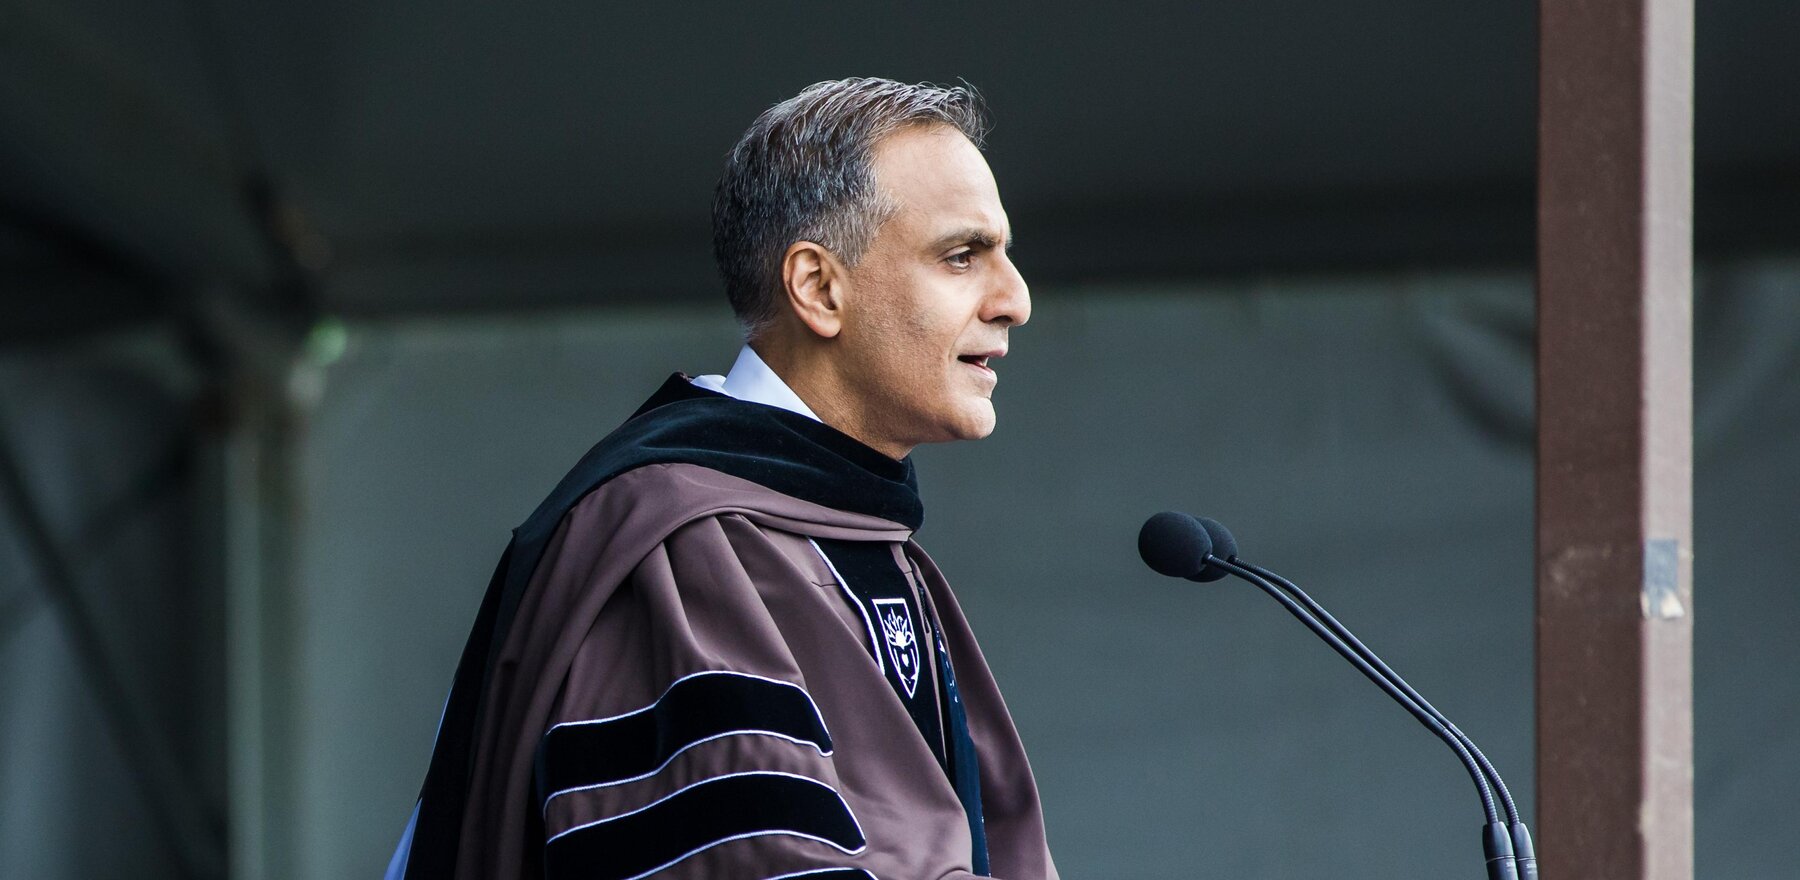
point(1010, 300)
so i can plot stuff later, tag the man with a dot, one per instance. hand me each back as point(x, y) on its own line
point(715, 650)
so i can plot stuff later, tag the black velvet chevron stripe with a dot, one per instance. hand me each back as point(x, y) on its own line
point(698, 708)
point(698, 818)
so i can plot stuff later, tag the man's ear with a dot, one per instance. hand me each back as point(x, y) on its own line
point(815, 283)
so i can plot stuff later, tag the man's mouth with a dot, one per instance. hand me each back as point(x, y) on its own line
point(983, 360)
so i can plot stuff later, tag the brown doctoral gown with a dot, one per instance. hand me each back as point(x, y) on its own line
point(670, 678)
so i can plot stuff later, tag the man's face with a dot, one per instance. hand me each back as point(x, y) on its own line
point(930, 303)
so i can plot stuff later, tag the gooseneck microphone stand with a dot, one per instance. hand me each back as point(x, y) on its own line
point(1181, 545)
point(1496, 842)
point(1524, 853)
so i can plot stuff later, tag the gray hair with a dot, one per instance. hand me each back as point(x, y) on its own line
point(802, 172)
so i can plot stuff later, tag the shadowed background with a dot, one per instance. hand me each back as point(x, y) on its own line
point(305, 306)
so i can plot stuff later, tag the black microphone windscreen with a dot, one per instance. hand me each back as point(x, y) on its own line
point(1174, 544)
point(1223, 544)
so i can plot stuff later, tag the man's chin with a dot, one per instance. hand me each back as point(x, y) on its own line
point(973, 420)
point(977, 422)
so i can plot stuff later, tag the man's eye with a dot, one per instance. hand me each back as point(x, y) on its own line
point(961, 259)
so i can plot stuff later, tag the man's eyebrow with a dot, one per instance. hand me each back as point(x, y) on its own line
point(970, 235)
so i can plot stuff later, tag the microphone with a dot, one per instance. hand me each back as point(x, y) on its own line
point(1199, 549)
point(1171, 545)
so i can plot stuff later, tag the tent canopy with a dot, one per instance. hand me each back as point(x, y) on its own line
point(378, 158)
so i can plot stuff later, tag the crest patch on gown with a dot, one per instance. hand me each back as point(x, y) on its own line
point(902, 641)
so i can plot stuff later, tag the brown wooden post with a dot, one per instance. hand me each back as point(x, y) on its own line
point(1614, 479)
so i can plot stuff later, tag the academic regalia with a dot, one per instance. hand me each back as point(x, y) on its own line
point(715, 651)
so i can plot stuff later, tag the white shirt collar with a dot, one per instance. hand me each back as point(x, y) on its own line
point(750, 379)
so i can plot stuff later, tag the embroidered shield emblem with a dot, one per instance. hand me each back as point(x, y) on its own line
point(902, 641)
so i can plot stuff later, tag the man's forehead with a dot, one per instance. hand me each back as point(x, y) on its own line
point(941, 183)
